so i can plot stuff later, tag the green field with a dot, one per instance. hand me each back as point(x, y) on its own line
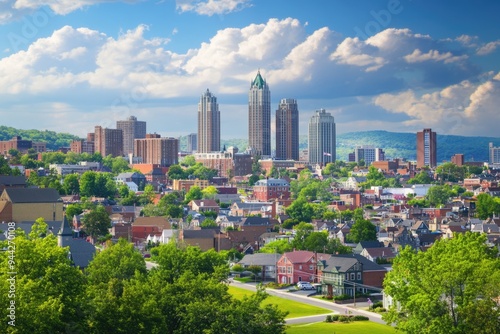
point(293, 308)
point(357, 327)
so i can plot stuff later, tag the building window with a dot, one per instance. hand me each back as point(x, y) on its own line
point(300, 267)
point(359, 276)
point(353, 277)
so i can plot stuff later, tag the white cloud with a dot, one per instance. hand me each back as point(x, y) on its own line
point(488, 48)
point(212, 7)
point(465, 108)
point(418, 56)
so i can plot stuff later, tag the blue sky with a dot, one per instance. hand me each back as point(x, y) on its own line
point(68, 65)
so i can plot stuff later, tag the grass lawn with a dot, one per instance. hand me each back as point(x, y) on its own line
point(357, 327)
point(294, 309)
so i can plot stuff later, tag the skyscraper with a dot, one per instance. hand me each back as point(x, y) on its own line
point(259, 117)
point(287, 130)
point(131, 129)
point(426, 148)
point(208, 124)
point(192, 142)
point(322, 138)
point(494, 154)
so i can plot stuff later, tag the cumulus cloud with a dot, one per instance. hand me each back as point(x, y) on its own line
point(433, 55)
point(212, 7)
point(464, 108)
point(488, 48)
point(87, 69)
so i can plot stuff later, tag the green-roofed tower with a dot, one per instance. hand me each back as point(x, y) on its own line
point(259, 117)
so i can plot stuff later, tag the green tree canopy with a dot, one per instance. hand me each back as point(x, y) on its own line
point(450, 288)
point(362, 230)
point(96, 222)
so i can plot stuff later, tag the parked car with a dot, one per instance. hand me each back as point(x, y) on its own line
point(305, 286)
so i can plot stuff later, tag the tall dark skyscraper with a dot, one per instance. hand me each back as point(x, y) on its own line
point(259, 117)
point(132, 129)
point(322, 138)
point(208, 124)
point(287, 130)
point(426, 148)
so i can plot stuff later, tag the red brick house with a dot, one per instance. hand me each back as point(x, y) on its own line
point(299, 266)
point(144, 226)
point(265, 190)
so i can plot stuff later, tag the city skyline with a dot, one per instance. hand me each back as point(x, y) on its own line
point(393, 65)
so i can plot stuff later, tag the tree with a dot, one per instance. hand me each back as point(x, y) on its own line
point(46, 290)
point(438, 195)
point(421, 178)
point(255, 270)
point(208, 223)
point(96, 223)
point(176, 172)
point(278, 246)
point(450, 288)
point(486, 206)
point(362, 230)
point(71, 184)
point(194, 193)
point(209, 192)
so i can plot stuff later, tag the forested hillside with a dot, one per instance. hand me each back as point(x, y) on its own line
point(53, 139)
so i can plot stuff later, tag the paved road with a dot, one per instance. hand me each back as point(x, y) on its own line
point(302, 297)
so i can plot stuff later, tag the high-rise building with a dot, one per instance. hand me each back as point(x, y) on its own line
point(426, 148)
point(494, 154)
point(208, 124)
point(259, 117)
point(108, 141)
point(458, 159)
point(192, 142)
point(322, 138)
point(156, 150)
point(368, 154)
point(132, 129)
point(287, 130)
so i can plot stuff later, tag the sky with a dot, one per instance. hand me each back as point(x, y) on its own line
point(395, 65)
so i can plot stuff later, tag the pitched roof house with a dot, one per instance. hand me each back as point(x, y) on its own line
point(299, 266)
point(29, 204)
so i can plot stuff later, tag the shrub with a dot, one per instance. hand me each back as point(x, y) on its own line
point(329, 318)
point(342, 297)
point(360, 318)
point(377, 304)
point(345, 318)
point(335, 317)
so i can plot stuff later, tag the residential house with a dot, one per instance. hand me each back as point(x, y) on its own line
point(11, 181)
point(29, 204)
point(267, 261)
point(378, 254)
point(349, 273)
point(268, 189)
point(205, 238)
point(144, 226)
point(367, 244)
point(299, 266)
point(204, 205)
point(81, 252)
point(138, 178)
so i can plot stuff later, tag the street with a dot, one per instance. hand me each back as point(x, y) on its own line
point(301, 296)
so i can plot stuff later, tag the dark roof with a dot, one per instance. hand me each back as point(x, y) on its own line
point(10, 180)
point(260, 259)
point(199, 234)
point(33, 195)
point(81, 251)
point(346, 261)
point(255, 221)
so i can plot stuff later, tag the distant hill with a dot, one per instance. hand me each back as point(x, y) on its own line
point(53, 139)
point(398, 144)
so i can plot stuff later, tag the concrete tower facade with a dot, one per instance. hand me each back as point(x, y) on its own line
point(287, 130)
point(259, 117)
point(131, 129)
point(322, 138)
point(208, 124)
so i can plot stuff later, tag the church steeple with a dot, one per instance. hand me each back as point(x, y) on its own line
point(65, 233)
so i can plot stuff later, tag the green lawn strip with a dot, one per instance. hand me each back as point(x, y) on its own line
point(294, 309)
point(356, 327)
